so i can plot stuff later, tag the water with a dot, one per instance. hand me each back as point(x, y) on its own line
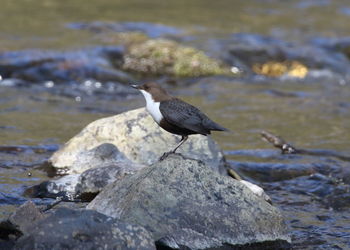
point(309, 114)
point(33, 24)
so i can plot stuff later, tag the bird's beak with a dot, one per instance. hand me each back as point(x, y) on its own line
point(135, 86)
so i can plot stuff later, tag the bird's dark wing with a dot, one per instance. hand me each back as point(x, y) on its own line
point(186, 116)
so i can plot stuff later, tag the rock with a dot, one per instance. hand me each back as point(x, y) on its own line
point(84, 229)
point(186, 204)
point(165, 57)
point(259, 191)
point(18, 223)
point(91, 171)
point(61, 67)
point(92, 181)
point(267, 172)
point(138, 138)
point(64, 187)
point(105, 154)
point(25, 216)
point(247, 51)
point(83, 186)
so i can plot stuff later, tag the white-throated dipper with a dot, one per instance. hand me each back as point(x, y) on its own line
point(175, 115)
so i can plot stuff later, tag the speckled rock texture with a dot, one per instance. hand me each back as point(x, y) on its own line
point(137, 138)
point(95, 179)
point(183, 203)
point(25, 216)
point(84, 229)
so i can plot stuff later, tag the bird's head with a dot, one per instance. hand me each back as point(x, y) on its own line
point(157, 93)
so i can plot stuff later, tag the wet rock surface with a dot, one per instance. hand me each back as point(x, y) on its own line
point(84, 186)
point(83, 229)
point(185, 204)
point(252, 49)
point(75, 66)
point(90, 173)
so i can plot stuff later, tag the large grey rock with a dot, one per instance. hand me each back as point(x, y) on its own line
point(186, 204)
point(137, 137)
point(84, 229)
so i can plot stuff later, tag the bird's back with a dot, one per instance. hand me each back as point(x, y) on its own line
point(186, 116)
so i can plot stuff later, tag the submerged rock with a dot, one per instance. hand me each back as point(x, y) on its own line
point(98, 63)
point(184, 204)
point(268, 172)
point(83, 229)
point(273, 57)
point(138, 138)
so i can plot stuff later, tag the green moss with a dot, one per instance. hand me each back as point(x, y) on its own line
point(164, 57)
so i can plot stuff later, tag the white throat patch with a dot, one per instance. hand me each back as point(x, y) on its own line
point(152, 106)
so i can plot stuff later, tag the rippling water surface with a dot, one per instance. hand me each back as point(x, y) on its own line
point(312, 115)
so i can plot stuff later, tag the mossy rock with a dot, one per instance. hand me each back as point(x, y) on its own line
point(165, 57)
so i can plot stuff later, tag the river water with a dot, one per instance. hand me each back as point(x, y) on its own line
point(311, 114)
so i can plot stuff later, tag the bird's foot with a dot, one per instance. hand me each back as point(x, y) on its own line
point(165, 155)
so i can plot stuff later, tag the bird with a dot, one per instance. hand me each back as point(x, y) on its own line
point(174, 115)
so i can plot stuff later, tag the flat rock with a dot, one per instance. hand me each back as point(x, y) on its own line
point(184, 204)
point(137, 137)
point(84, 229)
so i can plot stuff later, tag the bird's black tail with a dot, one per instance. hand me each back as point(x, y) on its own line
point(216, 127)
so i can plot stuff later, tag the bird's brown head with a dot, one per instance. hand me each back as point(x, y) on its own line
point(158, 93)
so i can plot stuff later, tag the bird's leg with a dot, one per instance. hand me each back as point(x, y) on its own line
point(183, 139)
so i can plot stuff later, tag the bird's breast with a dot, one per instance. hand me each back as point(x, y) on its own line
point(153, 109)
